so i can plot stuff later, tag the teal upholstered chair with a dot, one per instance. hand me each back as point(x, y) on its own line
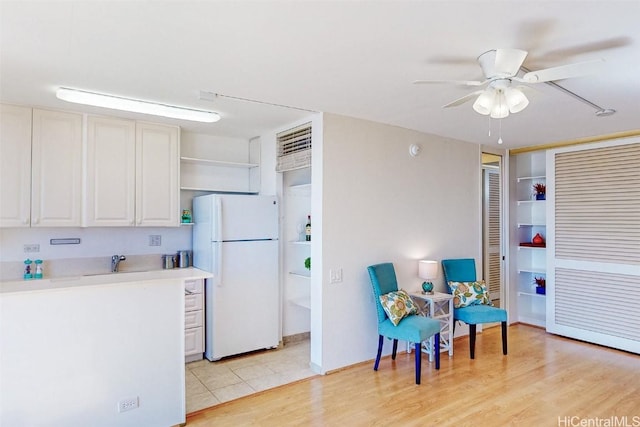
point(464, 270)
point(413, 328)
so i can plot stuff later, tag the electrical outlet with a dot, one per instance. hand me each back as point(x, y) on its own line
point(34, 247)
point(335, 276)
point(155, 240)
point(128, 404)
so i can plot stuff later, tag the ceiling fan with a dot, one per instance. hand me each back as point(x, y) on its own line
point(500, 68)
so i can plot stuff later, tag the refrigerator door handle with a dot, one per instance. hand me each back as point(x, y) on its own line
point(218, 268)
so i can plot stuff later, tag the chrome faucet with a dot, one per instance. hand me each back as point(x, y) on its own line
point(115, 261)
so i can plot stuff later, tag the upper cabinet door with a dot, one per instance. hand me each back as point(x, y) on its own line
point(56, 198)
point(157, 175)
point(15, 166)
point(110, 172)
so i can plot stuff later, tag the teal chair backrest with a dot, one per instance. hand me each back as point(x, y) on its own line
point(458, 270)
point(383, 281)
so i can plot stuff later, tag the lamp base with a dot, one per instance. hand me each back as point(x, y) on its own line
point(427, 288)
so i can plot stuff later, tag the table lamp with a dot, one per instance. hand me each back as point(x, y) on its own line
point(427, 270)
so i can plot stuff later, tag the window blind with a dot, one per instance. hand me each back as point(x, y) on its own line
point(294, 148)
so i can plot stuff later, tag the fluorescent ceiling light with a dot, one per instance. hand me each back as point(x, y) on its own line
point(135, 106)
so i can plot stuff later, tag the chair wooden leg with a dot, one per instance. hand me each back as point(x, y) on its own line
point(472, 341)
point(380, 342)
point(504, 338)
point(436, 349)
point(395, 350)
point(418, 361)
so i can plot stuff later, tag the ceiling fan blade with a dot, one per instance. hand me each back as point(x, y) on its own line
point(464, 99)
point(455, 82)
point(562, 72)
point(501, 62)
point(508, 61)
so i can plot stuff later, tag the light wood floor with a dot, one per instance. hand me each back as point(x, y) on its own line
point(544, 379)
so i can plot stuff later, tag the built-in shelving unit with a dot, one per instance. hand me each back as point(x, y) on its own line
point(530, 220)
point(296, 205)
point(210, 164)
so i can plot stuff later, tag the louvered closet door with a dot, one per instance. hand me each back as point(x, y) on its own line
point(492, 234)
point(593, 243)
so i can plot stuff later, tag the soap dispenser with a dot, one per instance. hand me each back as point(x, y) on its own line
point(39, 271)
point(28, 274)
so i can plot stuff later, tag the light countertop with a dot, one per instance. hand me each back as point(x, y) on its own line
point(36, 285)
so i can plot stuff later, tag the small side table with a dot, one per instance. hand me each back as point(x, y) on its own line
point(438, 306)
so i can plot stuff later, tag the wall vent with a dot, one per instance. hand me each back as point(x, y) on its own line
point(294, 148)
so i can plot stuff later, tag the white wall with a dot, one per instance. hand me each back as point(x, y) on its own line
point(68, 356)
point(380, 204)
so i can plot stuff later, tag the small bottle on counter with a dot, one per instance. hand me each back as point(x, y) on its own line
point(39, 271)
point(186, 216)
point(307, 229)
point(28, 274)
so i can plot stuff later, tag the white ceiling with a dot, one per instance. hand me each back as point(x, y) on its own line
point(354, 58)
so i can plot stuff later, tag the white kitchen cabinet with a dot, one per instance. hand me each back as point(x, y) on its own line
point(15, 166)
point(157, 175)
point(110, 172)
point(193, 319)
point(56, 174)
point(530, 260)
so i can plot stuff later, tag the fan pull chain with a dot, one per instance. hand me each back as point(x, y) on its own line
point(500, 135)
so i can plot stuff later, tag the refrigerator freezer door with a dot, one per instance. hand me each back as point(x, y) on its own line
point(245, 218)
point(242, 309)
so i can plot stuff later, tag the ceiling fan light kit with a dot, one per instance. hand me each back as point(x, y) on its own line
point(500, 68)
point(498, 100)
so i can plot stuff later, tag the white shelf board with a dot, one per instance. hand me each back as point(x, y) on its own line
point(300, 186)
point(530, 178)
point(521, 225)
point(302, 302)
point(300, 242)
point(531, 294)
point(218, 163)
point(217, 190)
point(532, 247)
point(532, 270)
point(303, 275)
point(525, 202)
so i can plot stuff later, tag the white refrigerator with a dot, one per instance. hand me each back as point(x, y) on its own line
point(235, 237)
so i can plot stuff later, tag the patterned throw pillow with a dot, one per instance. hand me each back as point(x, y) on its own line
point(398, 305)
point(469, 293)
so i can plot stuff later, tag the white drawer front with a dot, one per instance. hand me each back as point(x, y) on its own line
point(192, 319)
point(193, 341)
point(193, 302)
point(193, 286)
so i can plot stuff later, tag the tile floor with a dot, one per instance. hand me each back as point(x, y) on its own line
point(211, 383)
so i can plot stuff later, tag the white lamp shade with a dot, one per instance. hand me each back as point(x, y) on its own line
point(516, 100)
point(484, 102)
point(500, 108)
point(427, 269)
